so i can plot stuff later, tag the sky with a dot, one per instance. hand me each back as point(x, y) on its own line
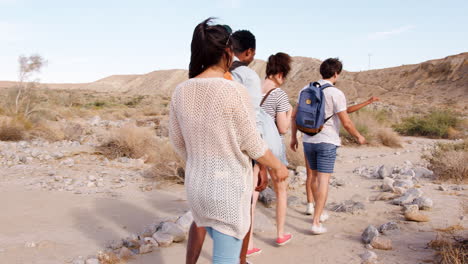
point(85, 40)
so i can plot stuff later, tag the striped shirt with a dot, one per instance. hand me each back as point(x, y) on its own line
point(276, 102)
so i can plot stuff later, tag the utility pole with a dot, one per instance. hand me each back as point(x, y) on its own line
point(370, 55)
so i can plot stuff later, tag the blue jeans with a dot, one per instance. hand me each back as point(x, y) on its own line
point(321, 156)
point(226, 249)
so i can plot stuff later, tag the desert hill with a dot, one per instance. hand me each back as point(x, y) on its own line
point(441, 81)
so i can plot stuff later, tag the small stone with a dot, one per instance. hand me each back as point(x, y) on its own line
point(92, 261)
point(385, 196)
point(424, 203)
point(458, 188)
point(92, 178)
point(164, 240)
point(78, 260)
point(421, 172)
point(30, 244)
point(383, 172)
point(150, 240)
point(147, 248)
point(408, 172)
point(301, 169)
point(408, 197)
point(58, 178)
point(268, 197)
point(68, 162)
point(388, 228)
point(348, 206)
point(369, 233)
point(174, 230)
point(381, 243)
point(149, 231)
point(185, 221)
point(368, 256)
point(387, 185)
point(406, 184)
point(91, 184)
point(442, 188)
point(116, 244)
point(416, 217)
point(57, 155)
point(410, 208)
point(51, 173)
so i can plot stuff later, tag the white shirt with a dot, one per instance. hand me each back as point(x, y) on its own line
point(249, 78)
point(335, 102)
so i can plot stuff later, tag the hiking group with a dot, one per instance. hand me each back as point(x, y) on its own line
point(229, 127)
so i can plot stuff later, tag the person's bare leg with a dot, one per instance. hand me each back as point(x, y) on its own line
point(195, 243)
point(254, 204)
point(321, 196)
point(309, 191)
point(245, 246)
point(281, 205)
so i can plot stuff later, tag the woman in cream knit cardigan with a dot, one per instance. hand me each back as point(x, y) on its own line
point(212, 126)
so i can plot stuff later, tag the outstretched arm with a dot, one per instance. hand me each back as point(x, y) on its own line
point(357, 107)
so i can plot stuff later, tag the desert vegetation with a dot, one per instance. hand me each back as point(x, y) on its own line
point(436, 124)
point(450, 248)
point(449, 161)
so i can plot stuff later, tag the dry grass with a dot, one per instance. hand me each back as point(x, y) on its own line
point(451, 229)
point(373, 126)
point(450, 250)
point(131, 142)
point(167, 165)
point(294, 158)
point(450, 162)
point(111, 258)
point(11, 130)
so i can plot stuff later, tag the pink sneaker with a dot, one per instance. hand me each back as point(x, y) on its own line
point(283, 240)
point(253, 252)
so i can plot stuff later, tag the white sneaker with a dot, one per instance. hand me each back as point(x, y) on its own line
point(310, 209)
point(318, 230)
point(324, 217)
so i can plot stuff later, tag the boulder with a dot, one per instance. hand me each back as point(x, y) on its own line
point(185, 221)
point(381, 243)
point(369, 233)
point(348, 206)
point(424, 203)
point(387, 185)
point(268, 197)
point(178, 234)
point(416, 217)
point(388, 228)
point(408, 197)
point(163, 239)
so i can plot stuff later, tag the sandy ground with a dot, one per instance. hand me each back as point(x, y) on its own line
point(64, 225)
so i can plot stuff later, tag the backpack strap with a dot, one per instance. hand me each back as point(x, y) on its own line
point(323, 87)
point(266, 95)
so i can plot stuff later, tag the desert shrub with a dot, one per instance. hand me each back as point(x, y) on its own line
point(436, 124)
point(131, 142)
point(11, 130)
point(372, 125)
point(450, 161)
point(167, 165)
point(295, 158)
point(450, 249)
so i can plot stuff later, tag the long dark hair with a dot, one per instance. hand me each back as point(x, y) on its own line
point(209, 43)
point(278, 63)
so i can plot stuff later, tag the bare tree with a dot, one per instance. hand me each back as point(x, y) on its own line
point(28, 67)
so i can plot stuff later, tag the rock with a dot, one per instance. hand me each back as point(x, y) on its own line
point(57, 155)
point(185, 221)
point(424, 203)
point(388, 228)
point(368, 257)
point(150, 240)
point(68, 162)
point(116, 244)
point(399, 190)
point(416, 217)
point(149, 231)
point(408, 172)
point(164, 240)
point(406, 184)
point(173, 229)
point(387, 185)
point(92, 178)
point(30, 244)
point(268, 197)
point(91, 184)
point(125, 253)
point(381, 243)
point(408, 197)
point(58, 178)
point(301, 169)
point(147, 248)
point(458, 188)
point(348, 206)
point(383, 172)
point(385, 196)
point(338, 182)
point(369, 233)
point(442, 188)
point(95, 121)
point(410, 208)
point(92, 261)
point(421, 172)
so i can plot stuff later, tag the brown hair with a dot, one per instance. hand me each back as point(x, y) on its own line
point(329, 67)
point(208, 47)
point(278, 63)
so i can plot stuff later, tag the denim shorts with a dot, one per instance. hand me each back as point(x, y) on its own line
point(321, 156)
point(226, 249)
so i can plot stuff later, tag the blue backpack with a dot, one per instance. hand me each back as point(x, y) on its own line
point(310, 116)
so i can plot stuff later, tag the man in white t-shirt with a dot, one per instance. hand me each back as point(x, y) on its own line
point(320, 149)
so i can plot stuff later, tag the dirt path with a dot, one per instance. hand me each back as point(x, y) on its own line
point(63, 225)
